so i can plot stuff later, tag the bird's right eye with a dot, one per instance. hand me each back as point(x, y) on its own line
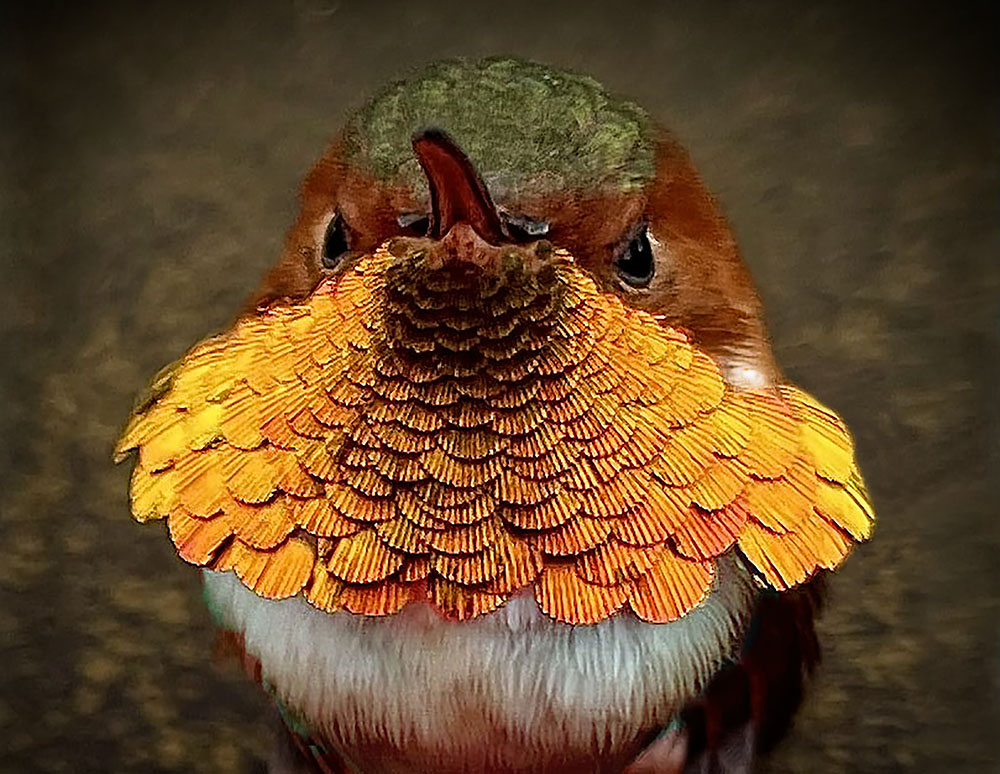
point(336, 242)
point(635, 263)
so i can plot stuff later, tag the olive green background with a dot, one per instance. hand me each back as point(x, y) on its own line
point(150, 153)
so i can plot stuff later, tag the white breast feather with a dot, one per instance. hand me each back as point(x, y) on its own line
point(500, 692)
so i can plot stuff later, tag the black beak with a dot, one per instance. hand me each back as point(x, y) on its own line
point(458, 194)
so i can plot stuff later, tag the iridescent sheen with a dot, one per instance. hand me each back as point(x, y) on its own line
point(413, 431)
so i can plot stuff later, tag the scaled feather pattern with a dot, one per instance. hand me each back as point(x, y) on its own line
point(416, 431)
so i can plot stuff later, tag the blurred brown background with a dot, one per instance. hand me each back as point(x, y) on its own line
point(150, 154)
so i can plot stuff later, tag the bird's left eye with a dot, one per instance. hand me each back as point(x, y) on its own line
point(635, 264)
point(336, 242)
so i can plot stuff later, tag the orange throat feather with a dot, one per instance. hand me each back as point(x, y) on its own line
point(455, 426)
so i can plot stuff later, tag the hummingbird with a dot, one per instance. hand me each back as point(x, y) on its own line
point(495, 471)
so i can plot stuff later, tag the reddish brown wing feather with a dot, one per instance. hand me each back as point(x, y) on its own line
point(758, 695)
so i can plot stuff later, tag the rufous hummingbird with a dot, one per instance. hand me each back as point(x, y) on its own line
point(496, 472)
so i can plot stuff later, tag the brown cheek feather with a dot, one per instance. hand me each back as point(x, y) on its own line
point(702, 285)
point(369, 206)
point(297, 271)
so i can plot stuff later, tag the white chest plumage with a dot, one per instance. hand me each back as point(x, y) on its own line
point(506, 692)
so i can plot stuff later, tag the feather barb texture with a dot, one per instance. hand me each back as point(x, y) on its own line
point(419, 431)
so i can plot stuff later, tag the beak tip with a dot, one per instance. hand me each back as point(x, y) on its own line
point(430, 134)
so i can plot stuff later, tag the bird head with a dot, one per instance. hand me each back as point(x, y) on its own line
point(557, 158)
point(510, 347)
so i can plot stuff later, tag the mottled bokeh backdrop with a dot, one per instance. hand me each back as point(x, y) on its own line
point(150, 153)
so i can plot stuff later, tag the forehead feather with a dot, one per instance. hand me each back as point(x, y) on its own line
point(527, 128)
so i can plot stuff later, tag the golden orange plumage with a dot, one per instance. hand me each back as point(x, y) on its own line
point(405, 433)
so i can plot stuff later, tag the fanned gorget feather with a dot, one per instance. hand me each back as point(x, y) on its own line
point(425, 429)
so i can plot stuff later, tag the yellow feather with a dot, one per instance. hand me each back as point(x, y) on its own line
point(433, 442)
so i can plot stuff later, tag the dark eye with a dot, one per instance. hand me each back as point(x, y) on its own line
point(335, 242)
point(635, 264)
